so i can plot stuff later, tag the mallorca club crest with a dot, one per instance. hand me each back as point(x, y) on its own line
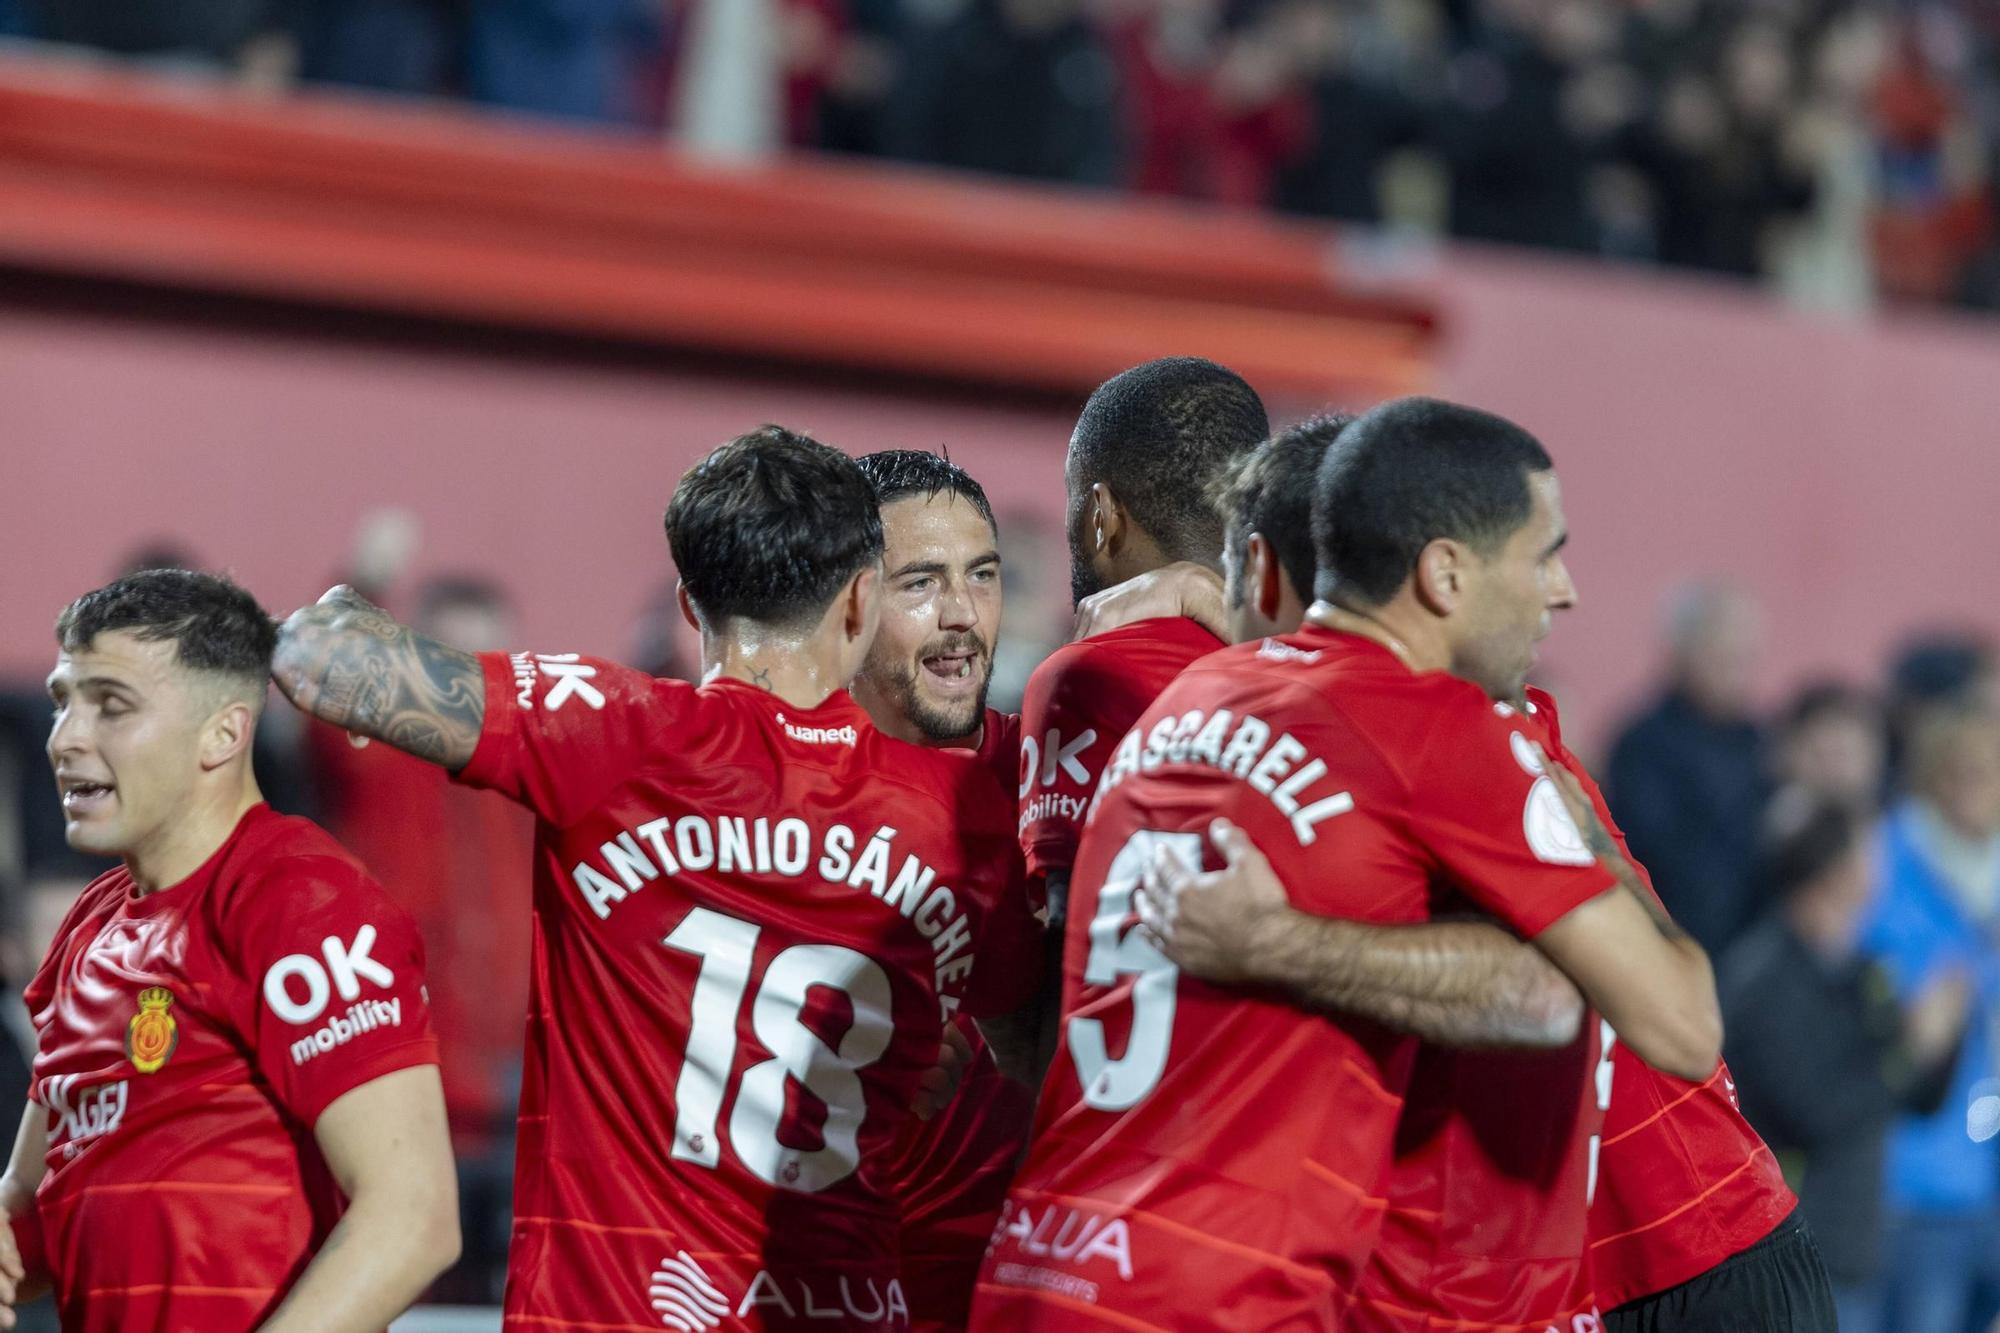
point(153, 1034)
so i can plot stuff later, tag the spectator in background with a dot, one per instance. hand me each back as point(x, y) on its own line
point(1948, 667)
point(1832, 743)
point(577, 59)
point(1362, 111)
point(399, 46)
point(1934, 215)
point(1517, 172)
point(1686, 780)
point(208, 32)
point(1824, 1057)
point(1938, 912)
point(1016, 87)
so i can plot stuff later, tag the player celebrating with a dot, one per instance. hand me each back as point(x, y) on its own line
point(754, 913)
point(232, 1031)
point(1683, 1183)
point(925, 682)
point(1258, 1134)
point(1145, 449)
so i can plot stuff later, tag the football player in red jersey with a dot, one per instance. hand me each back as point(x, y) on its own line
point(755, 913)
point(236, 1120)
point(1423, 787)
point(925, 682)
point(1677, 1155)
point(1145, 449)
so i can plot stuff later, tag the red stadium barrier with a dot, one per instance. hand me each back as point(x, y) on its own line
point(438, 212)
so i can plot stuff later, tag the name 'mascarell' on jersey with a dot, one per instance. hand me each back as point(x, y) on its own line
point(190, 1038)
point(751, 921)
point(1200, 1148)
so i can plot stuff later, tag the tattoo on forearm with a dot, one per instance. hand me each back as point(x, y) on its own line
point(352, 665)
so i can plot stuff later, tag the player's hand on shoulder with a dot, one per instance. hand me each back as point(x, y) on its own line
point(306, 635)
point(1584, 815)
point(1180, 589)
point(1213, 923)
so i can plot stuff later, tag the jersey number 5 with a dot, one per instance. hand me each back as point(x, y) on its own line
point(725, 947)
point(1118, 948)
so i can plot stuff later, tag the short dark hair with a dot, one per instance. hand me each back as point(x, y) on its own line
point(899, 473)
point(1270, 490)
point(1408, 473)
point(770, 526)
point(1804, 836)
point(1157, 435)
point(213, 624)
point(1823, 699)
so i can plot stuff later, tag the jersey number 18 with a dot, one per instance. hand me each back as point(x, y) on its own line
point(725, 946)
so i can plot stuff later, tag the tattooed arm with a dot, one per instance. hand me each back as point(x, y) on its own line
point(346, 661)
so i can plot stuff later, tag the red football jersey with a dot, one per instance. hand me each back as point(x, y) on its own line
point(1495, 1162)
point(752, 921)
point(954, 1170)
point(188, 1040)
point(1234, 1154)
point(1078, 703)
point(1683, 1181)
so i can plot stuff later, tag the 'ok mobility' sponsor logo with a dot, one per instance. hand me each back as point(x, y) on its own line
point(343, 1028)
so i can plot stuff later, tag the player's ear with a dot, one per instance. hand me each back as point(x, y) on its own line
point(227, 733)
point(1106, 520)
point(1440, 576)
point(1266, 577)
point(861, 603)
point(687, 606)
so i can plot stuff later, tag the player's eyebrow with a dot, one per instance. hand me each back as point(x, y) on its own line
point(1561, 541)
point(990, 558)
point(920, 567)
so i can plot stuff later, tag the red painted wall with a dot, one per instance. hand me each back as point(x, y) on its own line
point(1849, 474)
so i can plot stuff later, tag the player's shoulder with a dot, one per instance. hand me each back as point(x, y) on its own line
point(99, 898)
point(281, 864)
point(1164, 642)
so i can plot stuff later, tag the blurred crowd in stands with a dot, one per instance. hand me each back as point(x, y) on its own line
point(1840, 860)
point(1844, 150)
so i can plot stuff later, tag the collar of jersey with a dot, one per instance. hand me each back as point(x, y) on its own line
point(837, 707)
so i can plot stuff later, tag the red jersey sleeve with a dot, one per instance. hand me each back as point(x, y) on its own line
point(1545, 709)
point(1483, 807)
point(334, 982)
point(561, 731)
point(1067, 717)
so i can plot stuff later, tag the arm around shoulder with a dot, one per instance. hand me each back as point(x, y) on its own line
point(348, 662)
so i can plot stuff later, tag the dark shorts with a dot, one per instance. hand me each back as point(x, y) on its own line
point(1777, 1285)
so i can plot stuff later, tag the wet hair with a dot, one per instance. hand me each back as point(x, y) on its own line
point(1270, 491)
point(770, 527)
point(214, 625)
point(897, 474)
point(1156, 435)
point(1411, 472)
